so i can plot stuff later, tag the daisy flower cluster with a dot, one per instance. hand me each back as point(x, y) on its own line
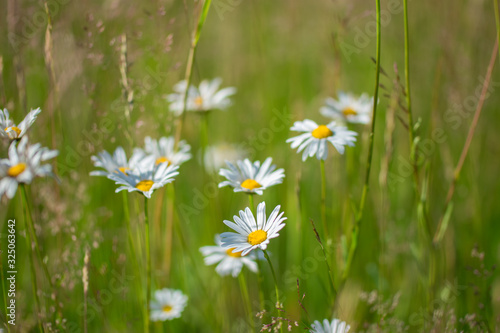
point(148, 168)
point(314, 137)
point(25, 161)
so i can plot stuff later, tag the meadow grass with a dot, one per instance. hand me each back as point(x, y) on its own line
point(400, 233)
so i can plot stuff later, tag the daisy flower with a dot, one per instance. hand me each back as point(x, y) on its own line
point(116, 162)
point(14, 132)
point(349, 108)
point(163, 150)
point(23, 165)
point(336, 326)
point(167, 304)
point(146, 177)
point(204, 98)
point(228, 262)
point(314, 140)
point(250, 177)
point(251, 234)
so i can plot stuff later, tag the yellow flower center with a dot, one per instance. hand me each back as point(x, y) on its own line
point(256, 237)
point(167, 308)
point(14, 128)
point(16, 170)
point(322, 132)
point(163, 159)
point(144, 185)
point(250, 184)
point(234, 255)
point(198, 101)
point(348, 111)
point(123, 169)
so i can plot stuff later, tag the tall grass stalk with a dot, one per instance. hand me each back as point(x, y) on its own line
point(278, 304)
point(148, 264)
point(246, 298)
point(189, 67)
point(35, 239)
point(29, 248)
point(359, 213)
point(443, 222)
point(323, 200)
point(408, 97)
point(4, 294)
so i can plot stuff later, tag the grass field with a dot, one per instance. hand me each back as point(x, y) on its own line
point(412, 216)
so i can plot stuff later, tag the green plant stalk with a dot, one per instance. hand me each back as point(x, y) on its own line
point(323, 200)
point(408, 97)
point(35, 240)
point(246, 299)
point(189, 67)
point(27, 216)
point(4, 291)
point(440, 231)
point(278, 304)
point(133, 253)
point(359, 215)
point(148, 264)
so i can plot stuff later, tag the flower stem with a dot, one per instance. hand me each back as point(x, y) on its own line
point(323, 199)
point(278, 305)
point(246, 298)
point(359, 215)
point(35, 240)
point(148, 264)
point(27, 216)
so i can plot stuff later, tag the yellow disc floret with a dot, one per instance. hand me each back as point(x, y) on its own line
point(144, 185)
point(198, 101)
point(322, 132)
point(167, 308)
point(256, 237)
point(250, 184)
point(348, 111)
point(163, 159)
point(235, 254)
point(123, 170)
point(16, 170)
point(15, 129)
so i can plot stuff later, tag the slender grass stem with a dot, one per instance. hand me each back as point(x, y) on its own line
point(278, 304)
point(441, 229)
point(35, 239)
point(189, 67)
point(246, 299)
point(148, 264)
point(29, 248)
point(330, 272)
point(323, 200)
point(408, 97)
point(4, 294)
point(359, 215)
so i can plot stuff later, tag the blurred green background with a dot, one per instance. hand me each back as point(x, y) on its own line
point(285, 58)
